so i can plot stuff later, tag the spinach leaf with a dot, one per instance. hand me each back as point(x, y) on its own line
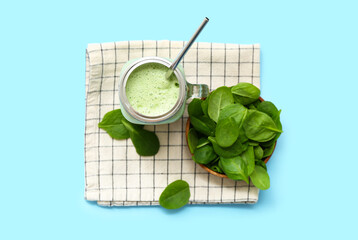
point(145, 142)
point(270, 109)
point(253, 143)
point(246, 90)
point(268, 143)
point(251, 106)
point(249, 157)
point(219, 99)
point(192, 139)
point(239, 113)
point(204, 155)
point(278, 124)
point(194, 108)
point(202, 142)
point(261, 164)
point(236, 111)
point(235, 168)
point(203, 125)
point(242, 136)
point(245, 93)
point(256, 103)
point(175, 195)
point(204, 106)
point(216, 168)
point(259, 153)
point(112, 124)
point(268, 151)
point(259, 126)
point(234, 150)
point(226, 132)
point(220, 165)
point(260, 178)
point(214, 162)
point(214, 165)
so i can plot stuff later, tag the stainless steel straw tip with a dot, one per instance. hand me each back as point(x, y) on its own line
point(169, 73)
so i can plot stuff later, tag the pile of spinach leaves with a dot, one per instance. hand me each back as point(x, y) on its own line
point(233, 132)
point(117, 126)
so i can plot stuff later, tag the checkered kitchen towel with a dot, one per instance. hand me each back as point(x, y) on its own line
point(114, 173)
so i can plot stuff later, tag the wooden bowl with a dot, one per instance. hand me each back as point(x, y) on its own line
point(205, 167)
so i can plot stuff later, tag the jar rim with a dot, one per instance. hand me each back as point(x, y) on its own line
point(123, 96)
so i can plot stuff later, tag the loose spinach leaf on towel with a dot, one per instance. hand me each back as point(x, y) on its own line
point(145, 142)
point(112, 124)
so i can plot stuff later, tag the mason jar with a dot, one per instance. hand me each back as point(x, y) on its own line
point(186, 91)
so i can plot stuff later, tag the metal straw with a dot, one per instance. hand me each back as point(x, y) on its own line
point(185, 49)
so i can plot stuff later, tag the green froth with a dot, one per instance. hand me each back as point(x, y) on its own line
point(149, 92)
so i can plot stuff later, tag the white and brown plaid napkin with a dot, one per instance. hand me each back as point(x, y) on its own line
point(114, 173)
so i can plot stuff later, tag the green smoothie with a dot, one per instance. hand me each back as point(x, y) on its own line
point(149, 92)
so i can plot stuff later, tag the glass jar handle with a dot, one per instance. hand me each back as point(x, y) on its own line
point(197, 90)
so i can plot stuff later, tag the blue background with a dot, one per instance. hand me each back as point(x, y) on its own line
point(309, 70)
